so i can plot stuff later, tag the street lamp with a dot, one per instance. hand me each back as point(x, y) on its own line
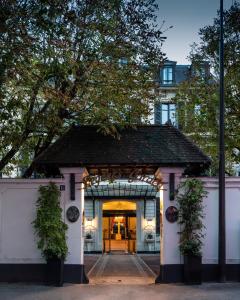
point(222, 227)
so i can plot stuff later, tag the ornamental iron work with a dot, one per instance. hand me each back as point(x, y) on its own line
point(112, 175)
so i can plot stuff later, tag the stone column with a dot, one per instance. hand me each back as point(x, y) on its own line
point(74, 265)
point(170, 259)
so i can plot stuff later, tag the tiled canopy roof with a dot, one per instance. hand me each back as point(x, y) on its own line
point(150, 145)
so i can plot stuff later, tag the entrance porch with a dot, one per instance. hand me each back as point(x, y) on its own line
point(156, 155)
point(122, 217)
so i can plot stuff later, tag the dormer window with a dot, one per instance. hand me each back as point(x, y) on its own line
point(167, 77)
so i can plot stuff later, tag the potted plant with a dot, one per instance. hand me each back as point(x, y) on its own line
point(51, 232)
point(190, 203)
point(88, 237)
point(149, 239)
point(89, 241)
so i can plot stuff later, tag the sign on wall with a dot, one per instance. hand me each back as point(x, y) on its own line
point(72, 214)
point(171, 214)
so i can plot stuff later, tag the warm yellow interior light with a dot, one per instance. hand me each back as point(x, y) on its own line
point(119, 205)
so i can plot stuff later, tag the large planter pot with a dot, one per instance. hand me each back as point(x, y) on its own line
point(55, 271)
point(150, 244)
point(89, 244)
point(192, 269)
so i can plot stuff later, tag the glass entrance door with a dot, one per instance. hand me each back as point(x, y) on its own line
point(119, 233)
point(118, 228)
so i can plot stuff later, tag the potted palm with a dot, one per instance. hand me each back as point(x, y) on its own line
point(51, 232)
point(190, 203)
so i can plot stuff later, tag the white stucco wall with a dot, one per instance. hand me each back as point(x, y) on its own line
point(170, 251)
point(210, 248)
point(17, 211)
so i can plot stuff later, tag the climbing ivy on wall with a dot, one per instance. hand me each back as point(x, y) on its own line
point(48, 225)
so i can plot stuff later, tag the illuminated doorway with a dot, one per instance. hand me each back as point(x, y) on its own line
point(119, 226)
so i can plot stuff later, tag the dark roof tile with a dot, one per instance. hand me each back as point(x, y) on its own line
point(151, 145)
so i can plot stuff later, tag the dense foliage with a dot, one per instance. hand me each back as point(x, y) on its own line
point(190, 203)
point(198, 98)
point(49, 227)
point(73, 61)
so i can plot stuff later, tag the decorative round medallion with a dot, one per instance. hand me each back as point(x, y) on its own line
point(171, 214)
point(73, 214)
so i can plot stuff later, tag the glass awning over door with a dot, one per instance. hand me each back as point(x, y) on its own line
point(121, 190)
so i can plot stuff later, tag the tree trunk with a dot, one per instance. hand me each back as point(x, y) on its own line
point(11, 153)
point(6, 159)
point(27, 128)
point(38, 150)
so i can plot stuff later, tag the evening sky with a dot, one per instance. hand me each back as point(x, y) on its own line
point(186, 17)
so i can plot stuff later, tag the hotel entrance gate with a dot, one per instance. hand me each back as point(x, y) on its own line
point(157, 155)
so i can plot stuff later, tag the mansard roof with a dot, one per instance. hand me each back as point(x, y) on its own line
point(146, 145)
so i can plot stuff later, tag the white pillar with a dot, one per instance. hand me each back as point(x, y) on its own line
point(99, 221)
point(81, 219)
point(170, 258)
point(75, 232)
point(139, 235)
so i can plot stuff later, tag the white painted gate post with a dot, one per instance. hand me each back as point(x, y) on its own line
point(170, 259)
point(81, 218)
point(74, 266)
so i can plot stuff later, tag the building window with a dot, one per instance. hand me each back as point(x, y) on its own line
point(167, 77)
point(165, 112)
point(123, 61)
point(197, 109)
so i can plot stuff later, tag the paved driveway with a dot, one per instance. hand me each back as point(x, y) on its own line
point(120, 268)
point(120, 277)
point(228, 291)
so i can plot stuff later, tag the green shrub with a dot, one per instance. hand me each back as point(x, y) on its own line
point(48, 225)
point(190, 203)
